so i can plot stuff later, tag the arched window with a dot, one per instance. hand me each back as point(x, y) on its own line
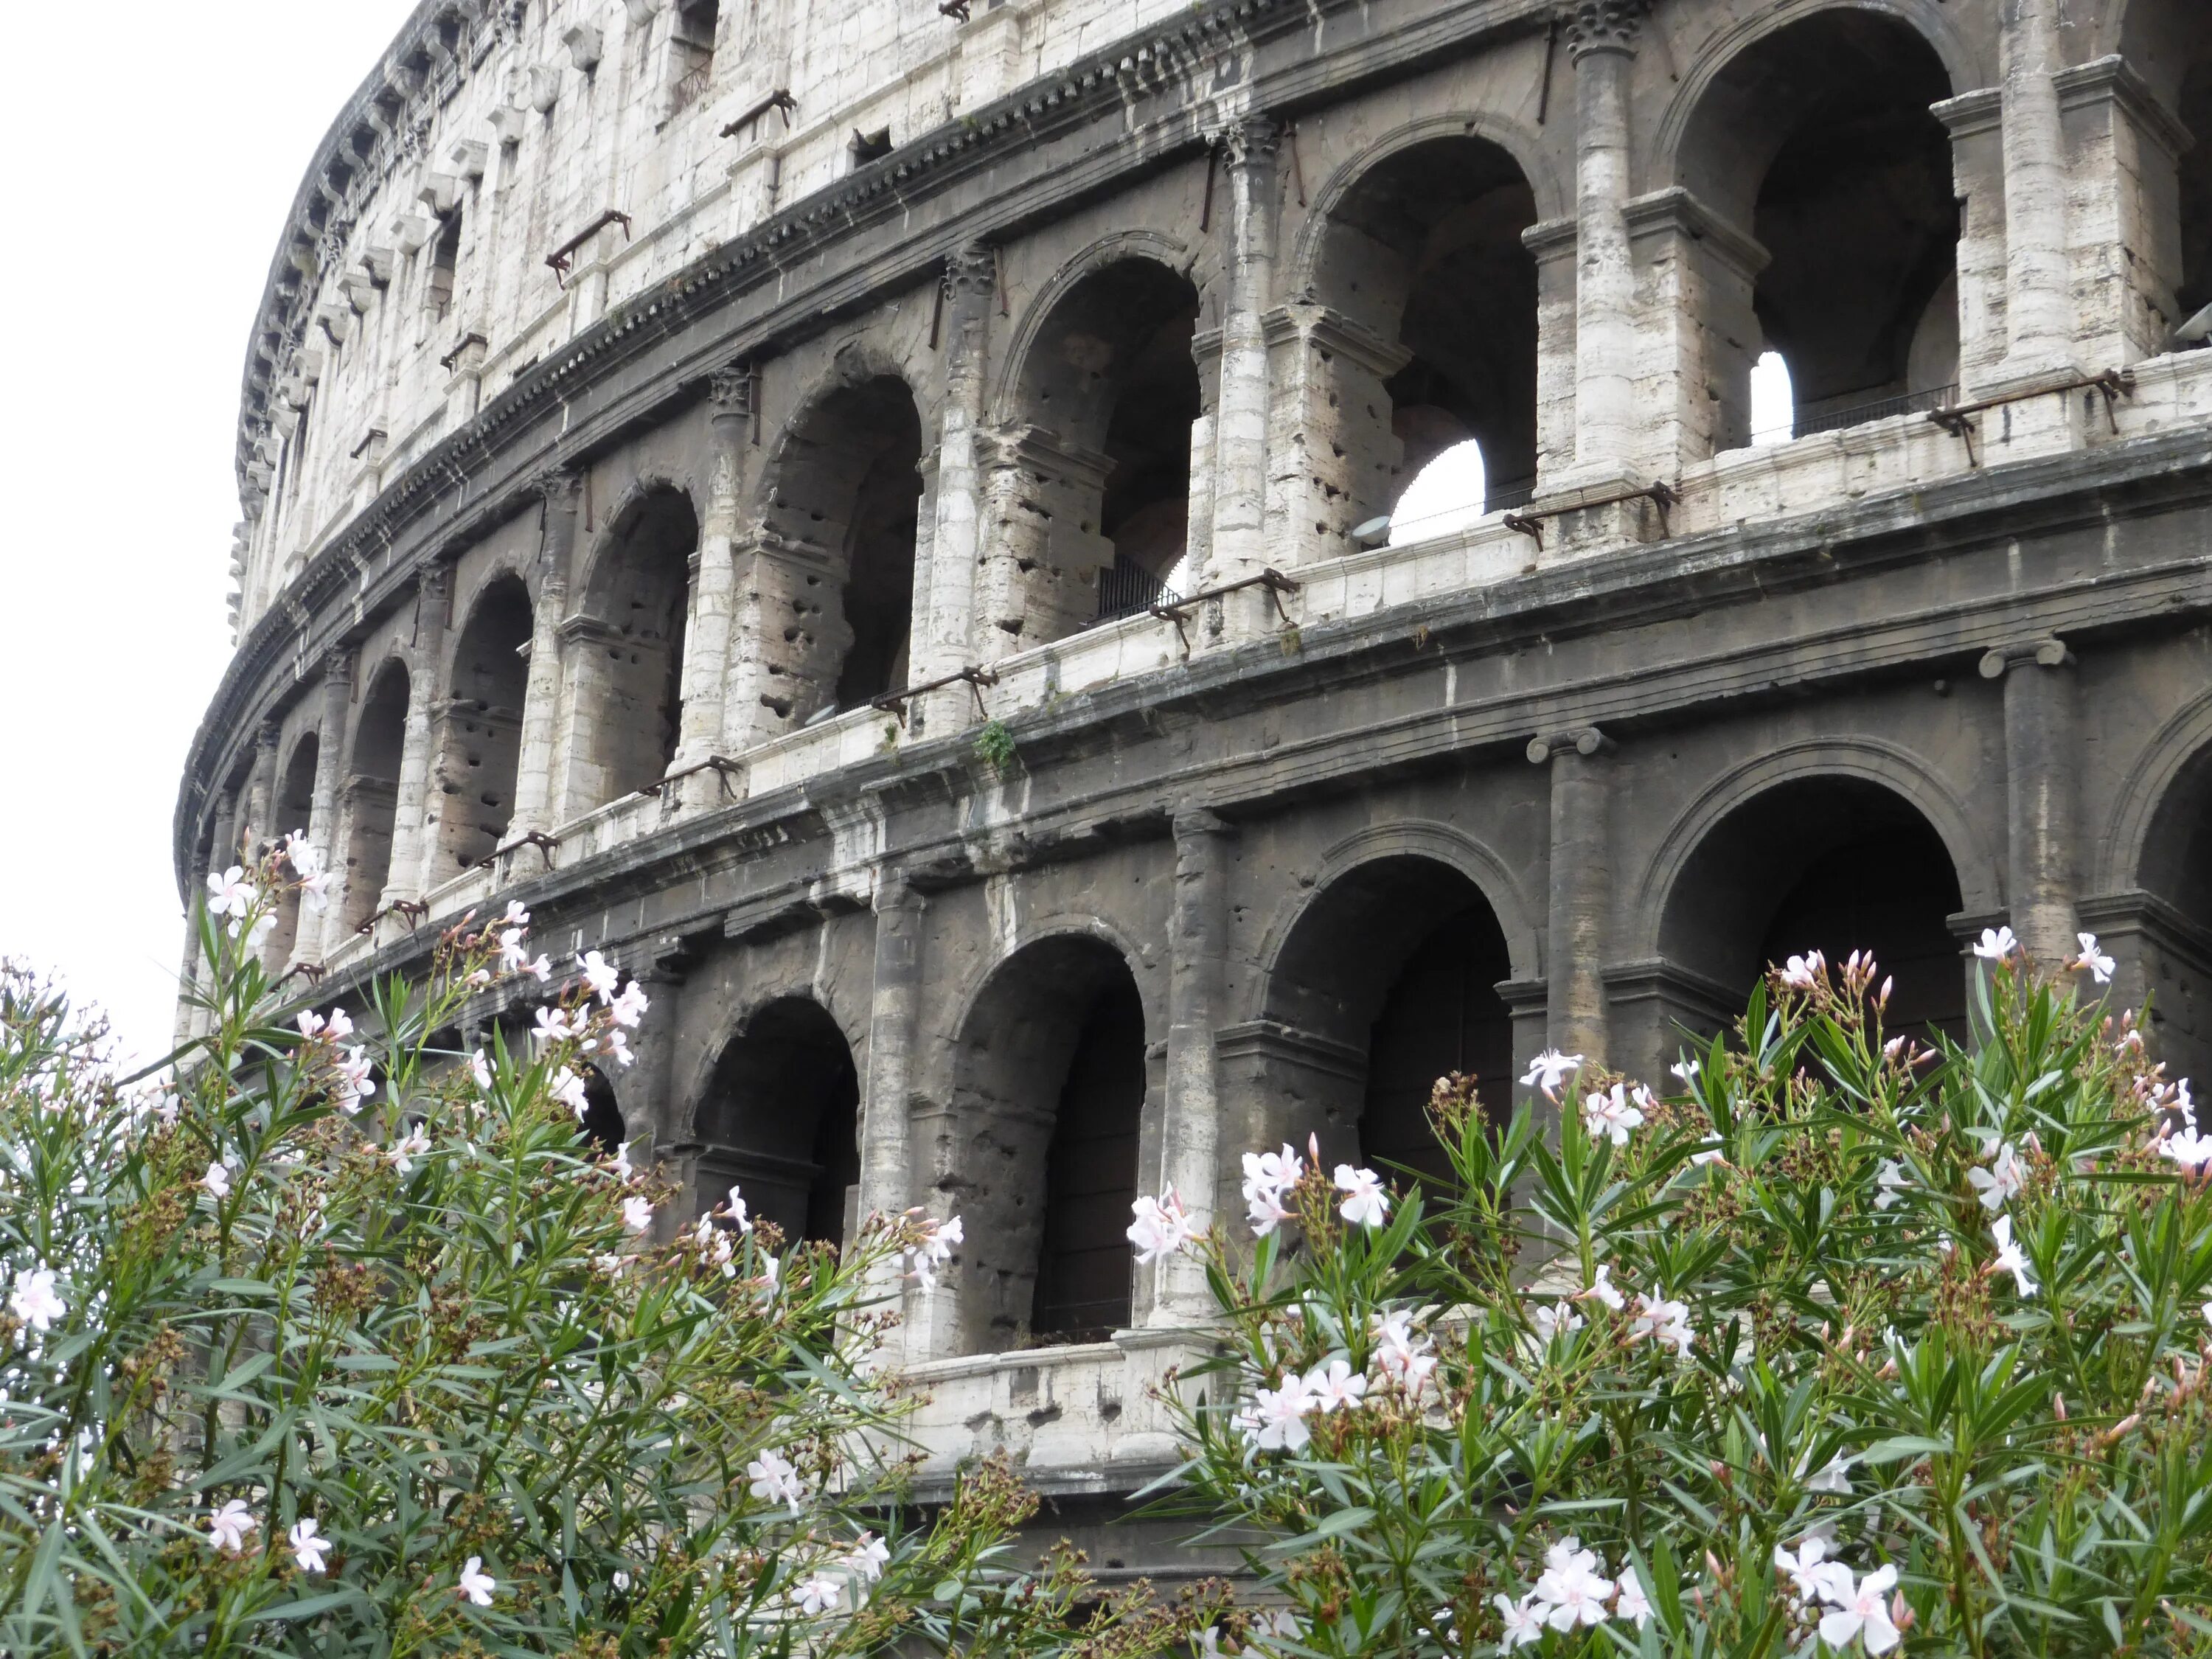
point(845, 492)
point(629, 663)
point(1388, 982)
point(1832, 864)
point(1424, 256)
point(1093, 503)
point(2168, 43)
point(1819, 142)
point(781, 1121)
point(1049, 1089)
point(372, 790)
point(482, 746)
point(295, 811)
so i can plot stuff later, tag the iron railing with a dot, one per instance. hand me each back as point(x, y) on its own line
point(1127, 589)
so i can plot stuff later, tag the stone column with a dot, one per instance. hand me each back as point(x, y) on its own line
point(1602, 39)
point(888, 1186)
point(2041, 760)
point(713, 585)
point(562, 492)
point(646, 1092)
point(414, 840)
point(260, 789)
point(315, 938)
point(945, 615)
point(1238, 548)
point(1191, 1160)
point(2039, 307)
point(1581, 890)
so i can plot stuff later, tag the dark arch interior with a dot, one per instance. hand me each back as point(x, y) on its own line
point(295, 811)
point(1059, 1030)
point(2169, 44)
point(1820, 140)
point(1426, 250)
point(1835, 865)
point(603, 1124)
point(372, 787)
point(641, 587)
point(780, 1120)
point(847, 485)
point(1399, 960)
point(1110, 374)
point(484, 730)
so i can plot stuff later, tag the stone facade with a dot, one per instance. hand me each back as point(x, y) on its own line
point(768, 590)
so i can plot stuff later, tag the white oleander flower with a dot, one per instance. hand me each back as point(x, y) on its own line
point(217, 1182)
point(1400, 1353)
point(480, 1069)
point(1861, 1611)
point(2099, 965)
point(599, 974)
point(1549, 1069)
point(1665, 1322)
point(774, 1480)
point(1892, 1182)
point(1803, 973)
point(2190, 1150)
point(516, 916)
point(2010, 1257)
point(1835, 1478)
point(307, 1549)
point(1629, 1601)
point(228, 1526)
point(637, 1213)
point(736, 1211)
point(1365, 1204)
point(1335, 1385)
point(938, 1240)
point(1275, 1420)
point(1809, 1569)
point(2005, 1176)
point(818, 1593)
point(1554, 1320)
point(568, 1088)
point(1571, 1588)
point(404, 1153)
point(1602, 1288)
point(1161, 1227)
point(1524, 1621)
point(629, 1007)
point(867, 1558)
point(475, 1582)
point(231, 893)
point(551, 1026)
point(1996, 943)
point(1609, 1112)
point(34, 1300)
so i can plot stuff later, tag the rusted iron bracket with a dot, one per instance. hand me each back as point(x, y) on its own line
point(973, 678)
point(559, 256)
point(544, 843)
point(1958, 420)
point(1274, 580)
point(779, 100)
point(720, 765)
point(454, 356)
point(312, 972)
point(1661, 495)
point(407, 909)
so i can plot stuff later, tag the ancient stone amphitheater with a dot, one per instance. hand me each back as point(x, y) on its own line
point(892, 520)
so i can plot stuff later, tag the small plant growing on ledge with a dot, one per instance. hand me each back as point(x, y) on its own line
point(994, 746)
point(338, 1342)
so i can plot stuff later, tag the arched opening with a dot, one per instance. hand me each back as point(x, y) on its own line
point(1424, 255)
point(630, 668)
point(2168, 42)
point(1050, 1083)
point(295, 811)
point(780, 1120)
point(483, 724)
point(602, 1126)
point(846, 490)
point(2161, 932)
point(1095, 499)
point(372, 789)
point(1832, 864)
point(1820, 143)
point(1388, 982)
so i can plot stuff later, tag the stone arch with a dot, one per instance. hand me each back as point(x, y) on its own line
point(839, 506)
point(293, 803)
point(370, 788)
point(478, 743)
point(2136, 846)
point(1138, 243)
point(1088, 492)
point(1417, 302)
point(626, 644)
point(778, 1116)
point(1381, 979)
point(1830, 849)
point(1040, 1150)
point(1807, 134)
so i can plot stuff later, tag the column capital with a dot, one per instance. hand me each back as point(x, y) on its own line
point(1250, 141)
point(266, 734)
point(1603, 25)
point(560, 488)
point(1190, 822)
point(895, 890)
point(971, 271)
point(1586, 741)
point(733, 392)
point(2044, 654)
point(338, 666)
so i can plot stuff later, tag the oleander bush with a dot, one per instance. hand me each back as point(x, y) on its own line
point(1847, 1342)
point(330, 1342)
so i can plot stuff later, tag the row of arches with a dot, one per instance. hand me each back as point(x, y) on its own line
point(1396, 972)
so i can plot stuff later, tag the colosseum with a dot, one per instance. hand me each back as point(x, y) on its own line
point(912, 525)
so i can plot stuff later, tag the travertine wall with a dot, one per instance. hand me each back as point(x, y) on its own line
point(745, 599)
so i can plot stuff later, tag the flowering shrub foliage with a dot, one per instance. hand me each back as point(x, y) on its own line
point(337, 1343)
point(1843, 1343)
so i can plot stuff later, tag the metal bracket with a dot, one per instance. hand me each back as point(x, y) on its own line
point(1661, 495)
point(895, 703)
point(559, 257)
point(1274, 580)
point(544, 843)
point(408, 909)
point(720, 765)
point(779, 100)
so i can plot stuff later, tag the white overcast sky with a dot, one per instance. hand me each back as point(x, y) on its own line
point(148, 159)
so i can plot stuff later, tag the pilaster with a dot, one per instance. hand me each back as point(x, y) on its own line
point(731, 398)
point(2040, 308)
point(2041, 759)
point(414, 817)
point(1238, 547)
point(1601, 37)
point(1580, 888)
point(944, 608)
point(1191, 1150)
point(562, 491)
point(318, 935)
